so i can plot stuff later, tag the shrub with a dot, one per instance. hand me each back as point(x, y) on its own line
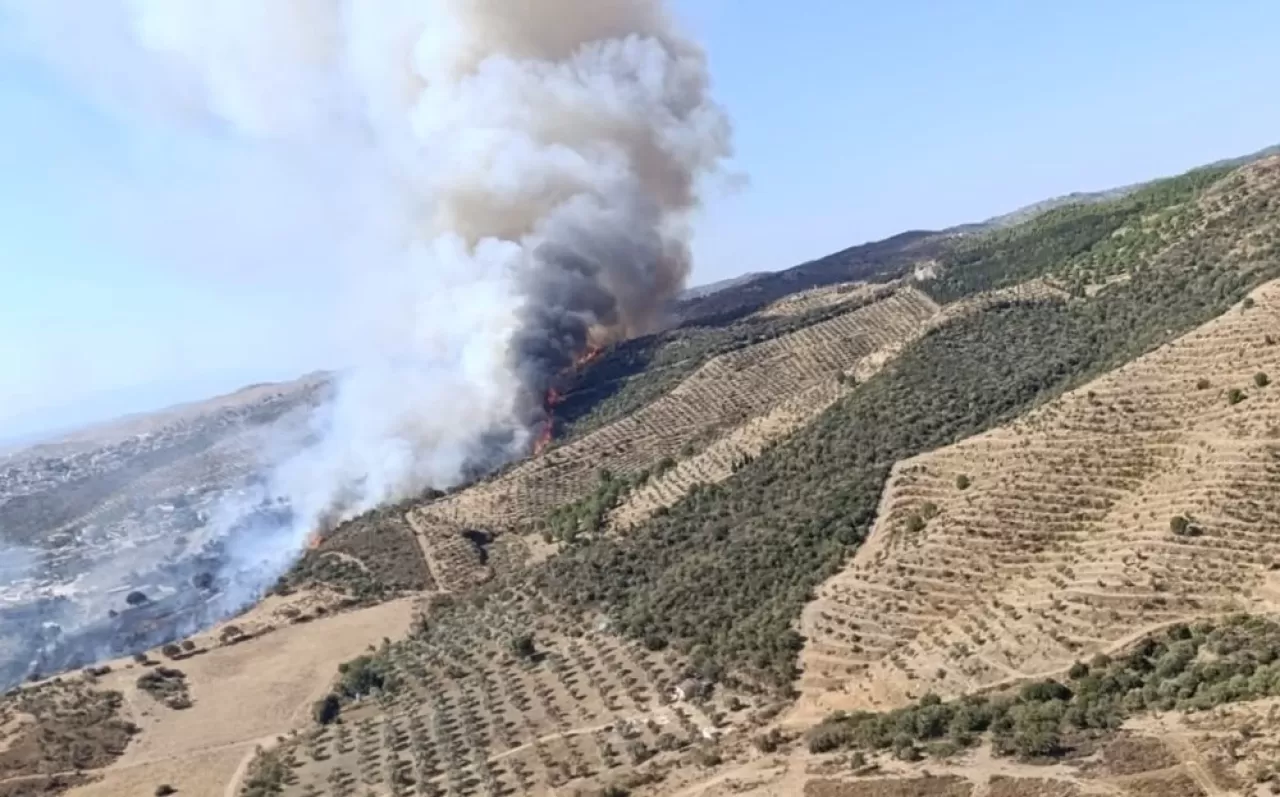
point(1179, 525)
point(1261, 380)
point(171, 650)
point(1044, 691)
point(188, 645)
point(1037, 740)
point(327, 709)
point(639, 752)
point(1078, 671)
point(136, 598)
point(522, 645)
point(654, 642)
point(1248, 303)
point(943, 750)
point(363, 676)
point(904, 748)
point(1235, 396)
point(709, 757)
point(962, 482)
point(915, 524)
point(828, 736)
point(1202, 384)
point(164, 790)
point(769, 742)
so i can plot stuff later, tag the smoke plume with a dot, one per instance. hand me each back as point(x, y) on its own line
point(519, 175)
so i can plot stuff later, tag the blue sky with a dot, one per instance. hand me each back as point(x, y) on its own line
point(853, 121)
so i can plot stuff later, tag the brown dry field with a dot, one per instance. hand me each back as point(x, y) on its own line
point(244, 695)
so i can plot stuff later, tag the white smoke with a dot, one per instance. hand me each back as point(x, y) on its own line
point(523, 174)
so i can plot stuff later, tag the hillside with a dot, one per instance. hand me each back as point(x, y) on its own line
point(1002, 499)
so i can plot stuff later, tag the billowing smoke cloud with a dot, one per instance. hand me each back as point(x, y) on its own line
point(524, 171)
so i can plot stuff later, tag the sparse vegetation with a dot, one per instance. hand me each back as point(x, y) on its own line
point(267, 775)
point(77, 727)
point(1235, 396)
point(372, 558)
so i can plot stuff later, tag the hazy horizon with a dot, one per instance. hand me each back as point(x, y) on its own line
point(851, 125)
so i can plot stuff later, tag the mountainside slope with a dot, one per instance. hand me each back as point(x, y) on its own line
point(937, 462)
point(1016, 552)
point(726, 391)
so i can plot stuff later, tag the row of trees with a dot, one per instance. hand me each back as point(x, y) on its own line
point(1191, 668)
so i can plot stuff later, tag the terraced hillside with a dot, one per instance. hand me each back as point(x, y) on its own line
point(921, 496)
point(507, 703)
point(1144, 497)
point(727, 391)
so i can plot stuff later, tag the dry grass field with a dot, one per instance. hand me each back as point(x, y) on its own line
point(242, 695)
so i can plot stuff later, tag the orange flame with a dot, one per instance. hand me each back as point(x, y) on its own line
point(554, 398)
point(549, 425)
point(589, 356)
point(313, 542)
point(544, 438)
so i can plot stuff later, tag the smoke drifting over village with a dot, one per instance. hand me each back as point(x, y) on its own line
point(521, 174)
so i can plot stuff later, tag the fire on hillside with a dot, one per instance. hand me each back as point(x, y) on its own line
point(554, 398)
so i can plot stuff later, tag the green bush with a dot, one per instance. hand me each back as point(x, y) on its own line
point(364, 675)
point(1235, 396)
point(1166, 671)
point(962, 482)
point(1261, 380)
